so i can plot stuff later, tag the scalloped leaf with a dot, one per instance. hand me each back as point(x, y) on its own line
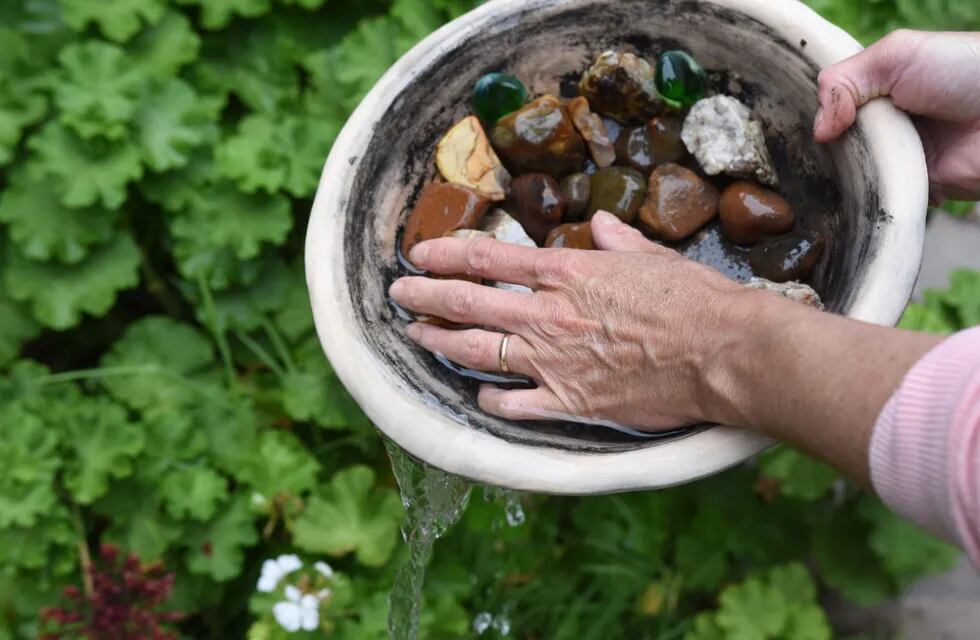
point(216, 14)
point(119, 20)
point(172, 121)
point(163, 49)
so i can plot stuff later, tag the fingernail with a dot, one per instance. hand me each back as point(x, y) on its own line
point(396, 289)
point(605, 218)
point(414, 331)
point(818, 119)
point(419, 253)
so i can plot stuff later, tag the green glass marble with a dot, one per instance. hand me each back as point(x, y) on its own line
point(496, 95)
point(680, 79)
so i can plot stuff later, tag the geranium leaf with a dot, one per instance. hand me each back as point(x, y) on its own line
point(45, 229)
point(216, 14)
point(98, 89)
point(21, 103)
point(349, 515)
point(60, 294)
point(244, 307)
point(28, 449)
point(193, 492)
point(139, 522)
point(17, 327)
point(119, 20)
point(88, 170)
point(164, 48)
point(49, 544)
point(171, 121)
point(799, 476)
point(280, 466)
point(216, 548)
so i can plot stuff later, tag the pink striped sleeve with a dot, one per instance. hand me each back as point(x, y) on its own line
point(925, 451)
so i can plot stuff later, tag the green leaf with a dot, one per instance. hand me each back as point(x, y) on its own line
point(21, 103)
point(49, 544)
point(89, 170)
point(845, 561)
point(45, 229)
point(244, 307)
point(964, 296)
point(102, 444)
point(273, 152)
point(60, 294)
point(799, 475)
point(905, 551)
point(193, 492)
point(119, 20)
point(349, 516)
point(280, 466)
point(216, 14)
point(171, 121)
point(752, 611)
point(139, 522)
point(157, 342)
point(164, 48)
point(216, 549)
point(30, 458)
point(17, 327)
point(98, 89)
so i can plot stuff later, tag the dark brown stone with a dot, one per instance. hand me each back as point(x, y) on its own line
point(577, 235)
point(441, 209)
point(540, 138)
point(678, 203)
point(618, 190)
point(575, 189)
point(535, 201)
point(751, 212)
point(793, 256)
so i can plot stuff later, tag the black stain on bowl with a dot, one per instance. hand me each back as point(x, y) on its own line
point(839, 201)
point(803, 43)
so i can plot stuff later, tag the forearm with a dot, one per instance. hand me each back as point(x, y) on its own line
point(815, 380)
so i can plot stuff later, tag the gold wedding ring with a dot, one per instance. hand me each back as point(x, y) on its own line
point(503, 353)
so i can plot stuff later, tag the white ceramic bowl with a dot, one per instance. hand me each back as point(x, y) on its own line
point(868, 193)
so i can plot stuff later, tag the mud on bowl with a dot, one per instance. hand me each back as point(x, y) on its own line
point(867, 192)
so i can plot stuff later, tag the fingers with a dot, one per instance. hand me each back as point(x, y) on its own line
point(463, 302)
point(611, 234)
point(474, 348)
point(522, 404)
point(849, 85)
point(484, 257)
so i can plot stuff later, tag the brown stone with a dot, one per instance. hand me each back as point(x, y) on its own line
point(751, 212)
point(793, 256)
point(464, 156)
point(666, 144)
point(593, 130)
point(540, 138)
point(576, 190)
point(441, 209)
point(678, 203)
point(577, 235)
point(535, 201)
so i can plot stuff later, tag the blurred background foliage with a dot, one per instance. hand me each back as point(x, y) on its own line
point(163, 390)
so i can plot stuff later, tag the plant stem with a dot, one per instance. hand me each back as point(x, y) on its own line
point(99, 373)
point(278, 343)
point(219, 335)
point(261, 353)
point(84, 557)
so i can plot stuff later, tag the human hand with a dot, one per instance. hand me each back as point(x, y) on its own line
point(634, 335)
point(932, 75)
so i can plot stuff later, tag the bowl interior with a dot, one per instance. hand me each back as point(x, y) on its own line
point(832, 187)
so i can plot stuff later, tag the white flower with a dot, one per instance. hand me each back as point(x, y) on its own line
point(275, 570)
point(323, 594)
point(323, 568)
point(258, 499)
point(297, 611)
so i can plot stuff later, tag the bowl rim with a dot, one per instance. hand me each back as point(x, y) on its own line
point(429, 431)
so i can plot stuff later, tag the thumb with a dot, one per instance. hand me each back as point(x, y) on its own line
point(849, 85)
point(610, 234)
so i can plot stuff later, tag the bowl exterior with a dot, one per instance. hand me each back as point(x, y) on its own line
point(423, 426)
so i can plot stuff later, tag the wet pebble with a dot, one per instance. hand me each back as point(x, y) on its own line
point(441, 209)
point(593, 131)
point(793, 256)
point(464, 156)
point(575, 190)
point(750, 212)
point(536, 202)
point(618, 190)
point(678, 203)
point(622, 86)
point(633, 149)
point(576, 235)
point(540, 138)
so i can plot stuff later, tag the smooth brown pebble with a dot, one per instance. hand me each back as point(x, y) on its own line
point(618, 190)
point(793, 256)
point(633, 150)
point(678, 203)
point(665, 139)
point(540, 138)
point(751, 212)
point(575, 189)
point(535, 201)
point(441, 209)
point(577, 235)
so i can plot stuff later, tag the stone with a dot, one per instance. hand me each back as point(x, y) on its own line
point(575, 190)
point(464, 156)
point(496, 95)
point(540, 138)
point(724, 138)
point(680, 79)
point(750, 212)
point(618, 190)
point(633, 149)
point(795, 291)
point(441, 209)
point(469, 234)
point(505, 228)
point(592, 129)
point(622, 86)
point(793, 256)
point(535, 201)
point(665, 139)
point(678, 203)
point(577, 235)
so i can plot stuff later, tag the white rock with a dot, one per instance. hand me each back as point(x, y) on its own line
point(795, 291)
point(720, 132)
point(506, 229)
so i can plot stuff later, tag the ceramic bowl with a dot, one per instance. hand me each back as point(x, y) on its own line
point(867, 192)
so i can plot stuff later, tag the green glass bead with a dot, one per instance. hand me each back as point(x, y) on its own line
point(680, 79)
point(496, 95)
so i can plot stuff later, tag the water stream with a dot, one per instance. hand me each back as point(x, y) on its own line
point(434, 501)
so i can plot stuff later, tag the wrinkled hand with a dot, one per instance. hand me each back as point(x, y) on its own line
point(628, 335)
point(932, 75)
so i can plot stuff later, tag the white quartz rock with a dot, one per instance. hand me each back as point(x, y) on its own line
point(506, 229)
point(795, 291)
point(720, 132)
